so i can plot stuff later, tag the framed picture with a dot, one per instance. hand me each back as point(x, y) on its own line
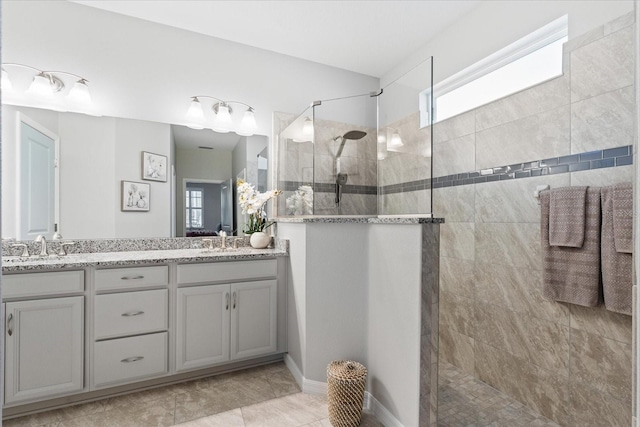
point(154, 167)
point(135, 196)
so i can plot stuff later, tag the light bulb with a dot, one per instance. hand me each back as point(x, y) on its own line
point(248, 125)
point(307, 126)
point(382, 138)
point(80, 94)
point(381, 155)
point(395, 141)
point(223, 121)
point(6, 82)
point(195, 113)
point(41, 86)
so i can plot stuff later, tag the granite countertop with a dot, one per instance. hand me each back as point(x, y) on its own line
point(355, 219)
point(132, 258)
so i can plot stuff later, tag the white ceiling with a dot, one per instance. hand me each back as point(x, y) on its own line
point(185, 137)
point(368, 37)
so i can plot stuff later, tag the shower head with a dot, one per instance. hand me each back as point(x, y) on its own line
point(353, 135)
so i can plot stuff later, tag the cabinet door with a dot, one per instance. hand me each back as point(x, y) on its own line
point(44, 348)
point(253, 318)
point(202, 336)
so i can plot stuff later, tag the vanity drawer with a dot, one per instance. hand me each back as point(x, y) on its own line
point(128, 359)
point(41, 284)
point(226, 271)
point(130, 313)
point(122, 278)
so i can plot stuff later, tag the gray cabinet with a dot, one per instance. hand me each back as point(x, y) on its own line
point(217, 323)
point(202, 335)
point(43, 348)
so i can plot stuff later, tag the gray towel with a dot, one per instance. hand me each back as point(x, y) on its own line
point(623, 217)
point(616, 266)
point(567, 216)
point(573, 274)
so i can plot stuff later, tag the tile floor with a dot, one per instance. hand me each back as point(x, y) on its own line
point(264, 396)
point(464, 401)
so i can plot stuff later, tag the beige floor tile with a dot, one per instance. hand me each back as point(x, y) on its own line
point(82, 410)
point(158, 412)
point(225, 419)
point(283, 383)
point(290, 411)
point(114, 417)
point(49, 418)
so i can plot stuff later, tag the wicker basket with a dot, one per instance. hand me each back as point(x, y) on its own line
point(346, 380)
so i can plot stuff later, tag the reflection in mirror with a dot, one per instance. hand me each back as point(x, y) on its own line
point(97, 153)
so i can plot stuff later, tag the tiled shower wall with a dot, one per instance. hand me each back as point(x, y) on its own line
point(358, 160)
point(569, 363)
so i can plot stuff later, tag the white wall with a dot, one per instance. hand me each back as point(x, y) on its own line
point(495, 24)
point(296, 291)
point(88, 193)
point(148, 71)
point(394, 318)
point(336, 296)
point(131, 138)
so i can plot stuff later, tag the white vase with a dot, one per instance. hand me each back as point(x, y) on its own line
point(260, 240)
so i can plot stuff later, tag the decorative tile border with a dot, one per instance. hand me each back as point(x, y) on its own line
point(607, 158)
point(612, 157)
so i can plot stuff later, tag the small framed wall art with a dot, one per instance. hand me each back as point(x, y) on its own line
point(135, 196)
point(154, 167)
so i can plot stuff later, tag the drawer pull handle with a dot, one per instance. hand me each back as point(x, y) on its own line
point(132, 359)
point(132, 277)
point(227, 294)
point(132, 313)
point(234, 300)
point(9, 331)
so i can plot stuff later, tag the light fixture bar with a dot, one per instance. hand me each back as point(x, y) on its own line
point(223, 121)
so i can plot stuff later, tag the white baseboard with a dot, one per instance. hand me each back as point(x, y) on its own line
point(382, 414)
point(369, 402)
point(293, 368)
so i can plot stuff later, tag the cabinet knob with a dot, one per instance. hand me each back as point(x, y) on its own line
point(132, 359)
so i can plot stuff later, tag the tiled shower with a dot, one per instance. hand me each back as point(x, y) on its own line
point(479, 170)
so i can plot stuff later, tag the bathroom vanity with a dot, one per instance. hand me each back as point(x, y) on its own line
point(90, 325)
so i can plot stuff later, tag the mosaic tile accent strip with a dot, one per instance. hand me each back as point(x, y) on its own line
point(612, 157)
point(322, 187)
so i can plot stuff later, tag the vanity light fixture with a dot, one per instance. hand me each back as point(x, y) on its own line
point(223, 121)
point(46, 84)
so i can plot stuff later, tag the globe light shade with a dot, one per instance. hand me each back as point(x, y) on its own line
point(248, 125)
point(195, 113)
point(307, 127)
point(6, 82)
point(395, 141)
point(223, 122)
point(79, 94)
point(41, 87)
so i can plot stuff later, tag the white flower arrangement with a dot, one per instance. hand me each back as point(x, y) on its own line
point(301, 202)
point(252, 202)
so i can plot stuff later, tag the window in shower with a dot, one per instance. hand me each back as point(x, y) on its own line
point(527, 62)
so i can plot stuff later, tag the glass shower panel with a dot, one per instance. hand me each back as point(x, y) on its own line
point(295, 166)
point(345, 172)
point(404, 150)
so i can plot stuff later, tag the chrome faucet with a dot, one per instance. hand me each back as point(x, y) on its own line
point(223, 241)
point(43, 245)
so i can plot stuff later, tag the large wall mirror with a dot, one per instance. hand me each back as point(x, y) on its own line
point(70, 173)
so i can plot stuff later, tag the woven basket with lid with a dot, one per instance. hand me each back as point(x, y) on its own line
point(346, 380)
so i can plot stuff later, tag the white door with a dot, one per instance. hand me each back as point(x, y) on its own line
point(37, 183)
point(253, 318)
point(202, 336)
point(43, 348)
